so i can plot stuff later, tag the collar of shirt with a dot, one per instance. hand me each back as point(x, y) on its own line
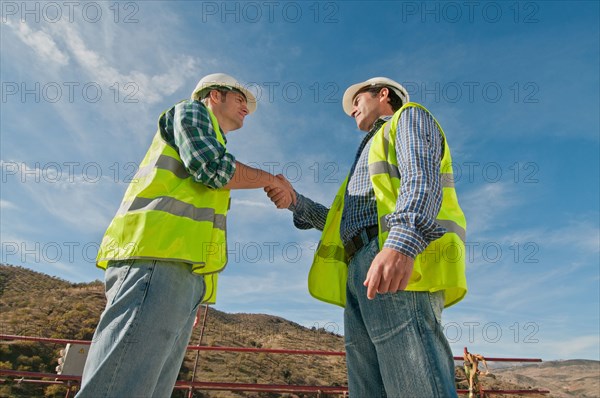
point(379, 122)
point(376, 126)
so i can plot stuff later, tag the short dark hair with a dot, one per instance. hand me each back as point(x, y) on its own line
point(224, 90)
point(394, 100)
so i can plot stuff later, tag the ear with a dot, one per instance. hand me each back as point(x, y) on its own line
point(384, 100)
point(215, 95)
point(384, 94)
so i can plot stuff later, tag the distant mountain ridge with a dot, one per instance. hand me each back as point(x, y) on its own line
point(35, 304)
point(569, 378)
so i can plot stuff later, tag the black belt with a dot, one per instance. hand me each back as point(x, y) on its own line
point(358, 241)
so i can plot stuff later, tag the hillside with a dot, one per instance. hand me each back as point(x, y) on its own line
point(565, 379)
point(35, 304)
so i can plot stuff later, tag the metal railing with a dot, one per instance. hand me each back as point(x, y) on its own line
point(72, 382)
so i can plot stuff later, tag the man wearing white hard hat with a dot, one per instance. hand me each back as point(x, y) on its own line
point(166, 245)
point(392, 252)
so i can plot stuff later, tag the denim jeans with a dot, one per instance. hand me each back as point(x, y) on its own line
point(395, 346)
point(140, 341)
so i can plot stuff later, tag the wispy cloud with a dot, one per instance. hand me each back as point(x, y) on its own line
point(77, 200)
point(53, 258)
point(574, 347)
point(153, 88)
point(485, 206)
point(250, 203)
point(63, 43)
point(5, 205)
point(40, 42)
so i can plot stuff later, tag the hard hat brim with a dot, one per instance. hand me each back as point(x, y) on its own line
point(217, 80)
point(351, 91)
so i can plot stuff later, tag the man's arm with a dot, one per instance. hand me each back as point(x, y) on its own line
point(412, 225)
point(307, 213)
point(246, 177)
point(188, 128)
point(207, 160)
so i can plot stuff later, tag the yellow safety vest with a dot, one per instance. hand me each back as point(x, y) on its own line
point(167, 215)
point(441, 266)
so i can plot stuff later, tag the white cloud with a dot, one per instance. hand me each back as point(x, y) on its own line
point(5, 205)
point(485, 206)
point(40, 42)
point(256, 287)
point(65, 43)
point(512, 334)
point(581, 233)
point(566, 347)
point(574, 347)
point(151, 87)
point(78, 200)
point(61, 259)
point(249, 203)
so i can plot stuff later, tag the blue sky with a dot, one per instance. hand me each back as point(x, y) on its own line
point(515, 86)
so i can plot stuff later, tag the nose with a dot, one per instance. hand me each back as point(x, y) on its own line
point(245, 109)
point(354, 110)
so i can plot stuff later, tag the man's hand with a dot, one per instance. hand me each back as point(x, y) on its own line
point(281, 192)
point(389, 272)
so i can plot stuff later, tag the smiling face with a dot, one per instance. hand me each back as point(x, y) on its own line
point(230, 108)
point(367, 107)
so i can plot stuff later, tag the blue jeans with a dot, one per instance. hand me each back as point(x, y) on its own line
point(140, 342)
point(395, 345)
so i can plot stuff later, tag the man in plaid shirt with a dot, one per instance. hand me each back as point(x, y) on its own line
point(177, 203)
point(395, 346)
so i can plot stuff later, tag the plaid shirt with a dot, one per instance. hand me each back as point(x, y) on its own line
point(187, 128)
point(419, 147)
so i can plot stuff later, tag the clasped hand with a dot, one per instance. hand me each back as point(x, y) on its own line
point(281, 192)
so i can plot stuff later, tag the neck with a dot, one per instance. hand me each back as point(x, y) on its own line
point(216, 114)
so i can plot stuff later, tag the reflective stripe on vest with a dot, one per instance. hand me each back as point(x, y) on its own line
point(383, 167)
point(166, 163)
point(441, 266)
point(176, 208)
point(167, 215)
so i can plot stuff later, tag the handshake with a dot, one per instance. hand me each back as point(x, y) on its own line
point(281, 192)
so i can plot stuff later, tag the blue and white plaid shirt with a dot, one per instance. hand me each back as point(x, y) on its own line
point(419, 148)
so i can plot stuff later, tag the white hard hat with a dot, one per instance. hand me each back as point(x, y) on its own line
point(222, 80)
point(355, 88)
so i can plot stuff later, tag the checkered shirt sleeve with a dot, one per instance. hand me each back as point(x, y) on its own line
point(187, 128)
point(419, 150)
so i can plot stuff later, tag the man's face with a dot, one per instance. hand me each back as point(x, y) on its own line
point(232, 110)
point(366, 109)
